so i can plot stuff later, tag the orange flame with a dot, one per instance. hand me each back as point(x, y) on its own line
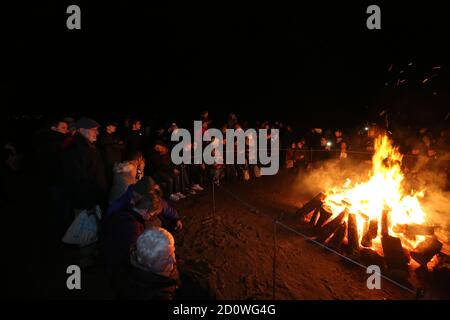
point(384, 189)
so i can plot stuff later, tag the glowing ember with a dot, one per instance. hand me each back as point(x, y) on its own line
point(384, 190)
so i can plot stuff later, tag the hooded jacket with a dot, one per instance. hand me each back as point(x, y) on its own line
point(169, 213)
point(124, 175)
point(119, 233)
point(145, 285)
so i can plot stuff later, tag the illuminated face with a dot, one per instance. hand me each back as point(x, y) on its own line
point(111, 129)
point(62, 127)
point(89, 134)
point(137, 126)
point(166, 262)
point(161, 149)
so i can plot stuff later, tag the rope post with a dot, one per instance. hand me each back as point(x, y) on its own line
point(214, 219)
point(274, 265)
point(214, 199)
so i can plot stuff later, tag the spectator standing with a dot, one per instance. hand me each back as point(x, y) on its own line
point(112, 148)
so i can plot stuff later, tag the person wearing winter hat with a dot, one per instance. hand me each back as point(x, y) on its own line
point(83, 168)
point(112, 148)
point(168, 217)
point(126, 173)
point(71, 125)
point(88, 128)
point(83, 177)
point(122, 228)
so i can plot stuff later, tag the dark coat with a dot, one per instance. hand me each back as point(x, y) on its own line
point(84, 175)
point(120, 232)
point(168, 215)
point(145, 285)
point(160, 163)
point(134, 140)
point(112, 149)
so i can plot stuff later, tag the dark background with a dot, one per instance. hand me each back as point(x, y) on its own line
point(313, 64)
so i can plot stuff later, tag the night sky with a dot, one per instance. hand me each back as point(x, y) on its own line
point(312, 64)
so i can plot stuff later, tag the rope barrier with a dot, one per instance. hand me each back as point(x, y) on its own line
point(277, 221)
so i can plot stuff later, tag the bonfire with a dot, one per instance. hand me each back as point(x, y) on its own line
point(379, 218)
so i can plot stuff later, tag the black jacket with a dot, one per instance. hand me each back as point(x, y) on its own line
point(84, 175)
point(160, 163)
point(120, 232)
point(111, 148)
point(135, 141)
point(145, 285)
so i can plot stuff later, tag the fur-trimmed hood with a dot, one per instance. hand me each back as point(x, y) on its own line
point(125, 167)
point(124, 174)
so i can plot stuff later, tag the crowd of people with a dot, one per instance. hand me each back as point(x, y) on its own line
point(126, 170)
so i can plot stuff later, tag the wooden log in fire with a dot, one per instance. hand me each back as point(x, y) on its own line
point(364, 216)
point(313, 220)
point(352, 235)
point(325, 214)
point(336, 240)
point(371, 257)
point(394, 255)
point(441, 272)
point(314, 203)
point(385, 223)
point(331, 227)
point(426, 250)
point(371, 233)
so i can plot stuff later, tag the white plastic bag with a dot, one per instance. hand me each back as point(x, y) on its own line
point(84, 229)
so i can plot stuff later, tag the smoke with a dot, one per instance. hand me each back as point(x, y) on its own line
point(331, 173)
point(430, 177)
point(436, 200)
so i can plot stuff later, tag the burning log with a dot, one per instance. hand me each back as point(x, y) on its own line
point(348, 204)
point(314, 217)
point(371, 234)
point(325, 214)
point(395, 257)
point(364, 216)
point(352, 235)
point(385, 223)
point(426, 250)
point(371, 257)
point(314, 203)
point(331, 226)
point(441, 272)
point(336, 240)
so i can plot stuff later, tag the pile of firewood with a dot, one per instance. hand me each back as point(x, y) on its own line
point(341, 234)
